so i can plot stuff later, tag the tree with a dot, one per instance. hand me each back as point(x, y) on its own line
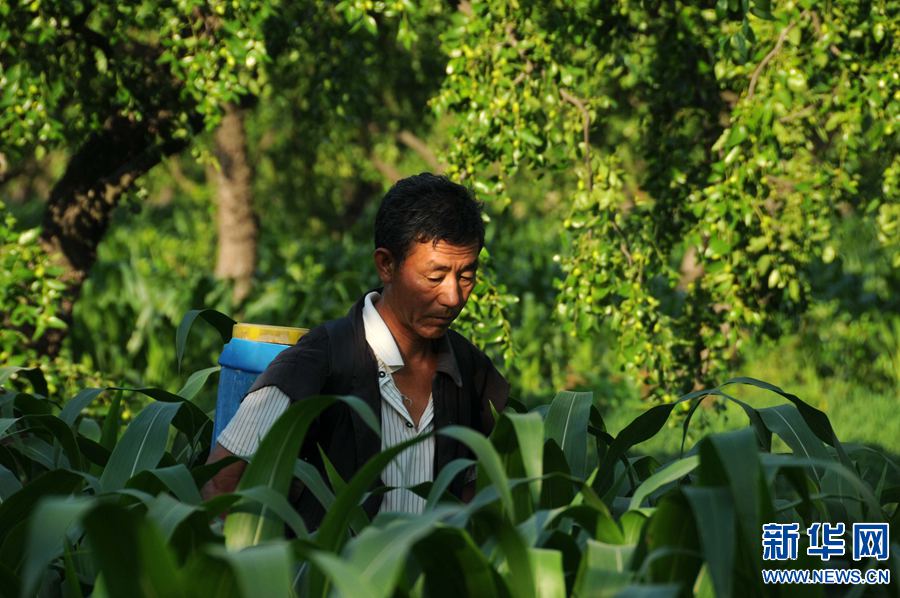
point(711, 152)
point(124, 86)
point(120, 86)
point(237, 222)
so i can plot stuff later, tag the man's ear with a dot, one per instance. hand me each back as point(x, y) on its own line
point(384, 263)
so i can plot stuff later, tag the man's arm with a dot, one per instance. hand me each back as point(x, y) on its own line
point(227, 478)
point(241, 437)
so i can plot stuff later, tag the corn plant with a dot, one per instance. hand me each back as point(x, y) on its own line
point(562, 507)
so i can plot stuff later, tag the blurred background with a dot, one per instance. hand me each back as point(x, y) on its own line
point(678, 193)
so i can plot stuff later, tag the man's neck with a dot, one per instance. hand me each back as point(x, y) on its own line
point(411, 346)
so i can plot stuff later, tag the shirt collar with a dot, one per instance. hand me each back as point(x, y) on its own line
point(383, 345)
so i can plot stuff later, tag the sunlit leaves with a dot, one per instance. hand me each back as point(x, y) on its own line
point(719, 144)
point(537, 525)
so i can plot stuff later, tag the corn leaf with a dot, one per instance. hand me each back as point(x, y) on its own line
point(714, 514)
point(670, 473)
point(141, 446)
point(567, 424)
point(222, 323)
point(52, 518)
point(73, 408)
point(273, 465)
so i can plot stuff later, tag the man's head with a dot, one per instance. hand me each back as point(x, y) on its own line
point(428, 234)
point(427, 207)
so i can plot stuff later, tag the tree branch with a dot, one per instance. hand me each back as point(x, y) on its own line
point(420, 147)
point(388, 171)
point(586, 130)
point(772, 53)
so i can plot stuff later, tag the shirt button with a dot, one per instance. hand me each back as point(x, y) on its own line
point(409, 424)
point(381, 374)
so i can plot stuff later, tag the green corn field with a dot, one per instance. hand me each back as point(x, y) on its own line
point(94, 507)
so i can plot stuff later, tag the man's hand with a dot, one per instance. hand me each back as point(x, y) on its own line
point(228, 477)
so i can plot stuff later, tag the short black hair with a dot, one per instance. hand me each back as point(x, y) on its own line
point(427, 207)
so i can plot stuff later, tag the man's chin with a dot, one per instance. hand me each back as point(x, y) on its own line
point(433, 331)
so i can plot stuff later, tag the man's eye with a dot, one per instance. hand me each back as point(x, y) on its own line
point(435, 279)
point(467, 279)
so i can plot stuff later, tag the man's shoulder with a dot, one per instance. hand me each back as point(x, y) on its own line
point(331, 332)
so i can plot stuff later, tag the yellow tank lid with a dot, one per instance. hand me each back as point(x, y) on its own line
point(262, 333)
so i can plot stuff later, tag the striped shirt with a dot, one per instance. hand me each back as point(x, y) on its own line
point(259, 410)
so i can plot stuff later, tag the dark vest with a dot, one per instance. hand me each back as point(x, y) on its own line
point(335, 359)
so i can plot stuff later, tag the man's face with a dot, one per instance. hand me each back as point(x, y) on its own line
point(430, 287)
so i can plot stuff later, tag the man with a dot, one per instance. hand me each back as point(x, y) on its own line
point(395, 350)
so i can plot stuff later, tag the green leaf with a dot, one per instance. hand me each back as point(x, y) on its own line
point(379, 552)
point(672, 543)
point(33, 375)
point(443, 480)
point(670, 473)
point(273, 464)
point(604, 569)
point(6, 423)
point(274, 503)
point(453, 565)
point(141, 446)
point(9, 483)
point(195, 382)
point(20, 505)
point(72, 583)
point(774, 462)
point(632, 522)
point(567, 424)
point(714, 514)
point(47, 530)
point(547, 571)
point(177, 478)
point(312, 479)
point(529, 430)
point(643, 427)
point(650, 591)
point(518, 439)
point(190, 419)
point(62, 433)
point(763, 9)
point(76, 405)
point(816, 420)
point(555, 491)
point(488, 459)
point(131, 553)
point(332, 532)
point(208, 574)
point(111, 423)
point(222, 323)
point(732, 459)
point(785, 421)
point(168, 513)
point(263, 570)
point(346, 579)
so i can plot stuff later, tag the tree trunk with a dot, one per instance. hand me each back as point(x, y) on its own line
point(82, 201)
point(237, 222)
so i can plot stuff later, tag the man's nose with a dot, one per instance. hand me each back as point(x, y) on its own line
point(451, 293)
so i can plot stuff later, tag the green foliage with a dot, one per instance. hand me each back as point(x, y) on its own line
point(563, 507)
point(30, 291)
point(29, 288)
point(712, 152)
point(668, 185)
point(168, 62)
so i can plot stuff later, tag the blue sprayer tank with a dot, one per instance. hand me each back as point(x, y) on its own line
point(251, 348)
